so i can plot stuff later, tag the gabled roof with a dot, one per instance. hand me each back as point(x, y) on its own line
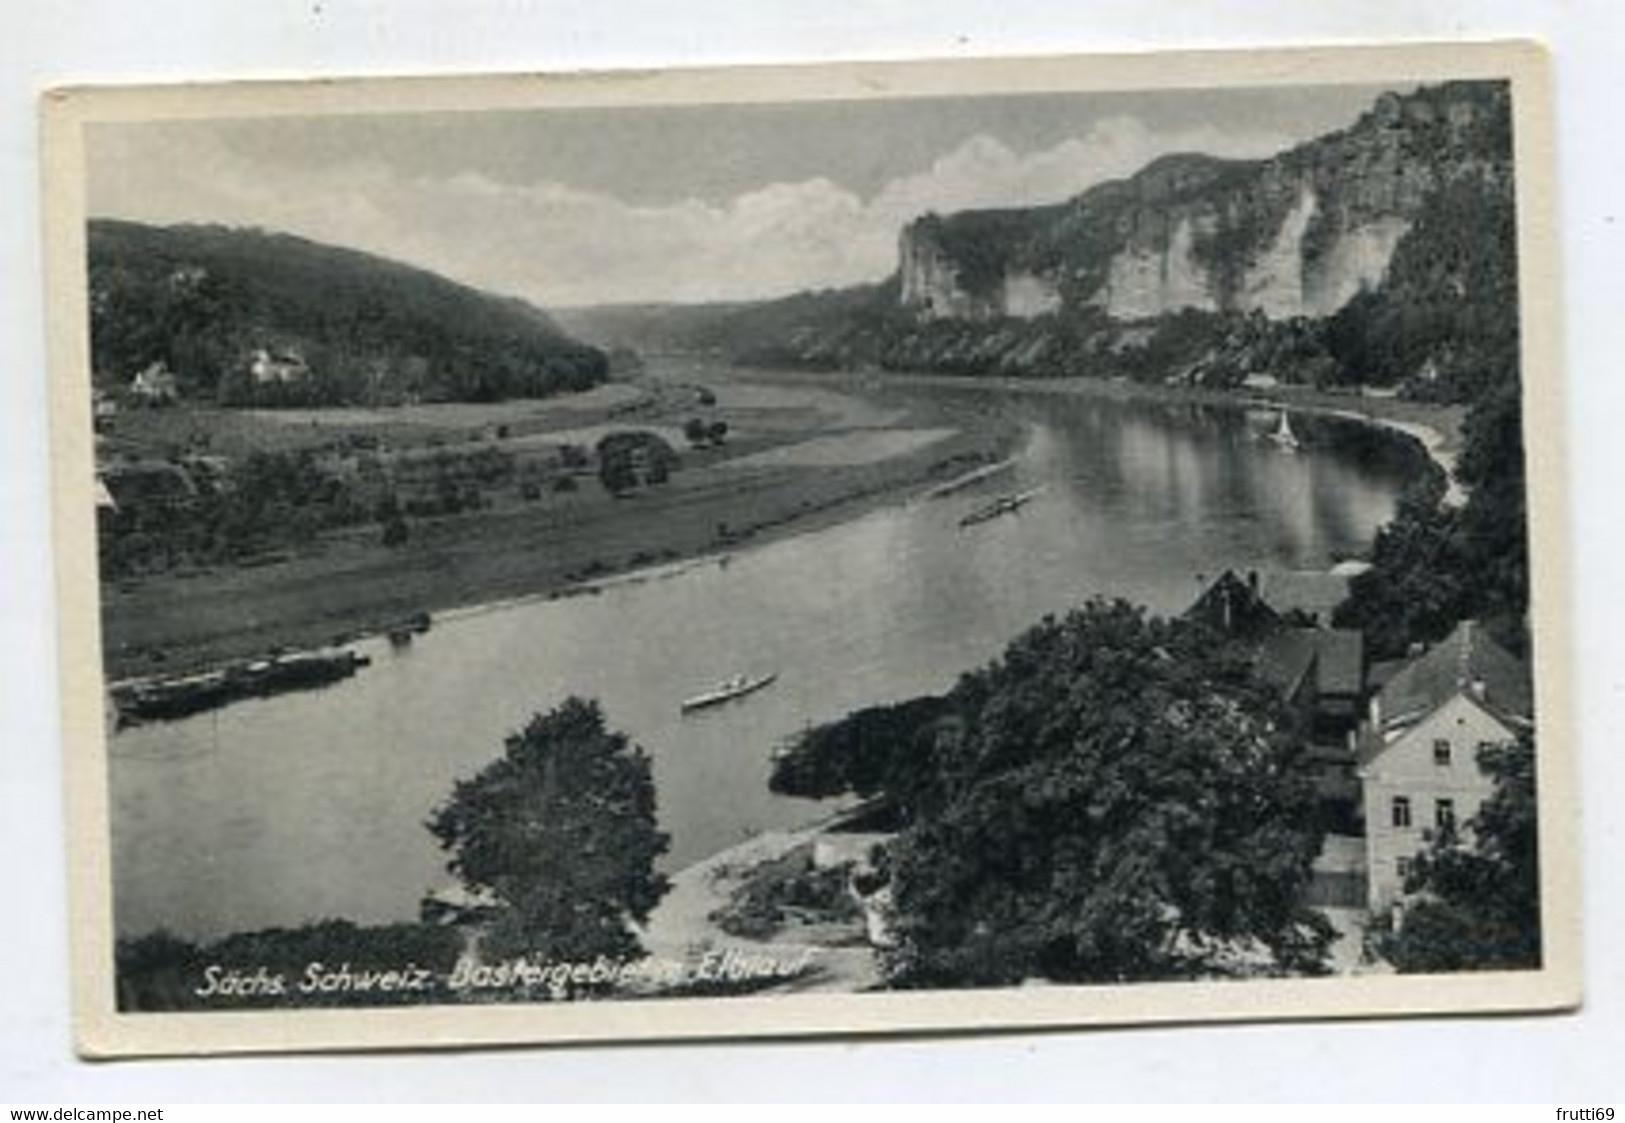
point(1312, 593)
point(1466, 661)
point(1257, 602)
point(1232, 605)
point(1342, 661)
point(1285, 658)
point(1335, 657)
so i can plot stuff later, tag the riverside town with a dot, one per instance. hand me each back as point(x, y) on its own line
point(1070, 538)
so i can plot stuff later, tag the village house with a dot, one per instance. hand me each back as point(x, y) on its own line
point(1257, 604)
point(1418, 764)
point(154, 385)
point(103, 408)
point(1286, 616)
point(278, 367)
point(1319, 671)
point(1233, 606)
point(106, 505)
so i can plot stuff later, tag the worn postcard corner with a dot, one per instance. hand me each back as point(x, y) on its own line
point(819, 550)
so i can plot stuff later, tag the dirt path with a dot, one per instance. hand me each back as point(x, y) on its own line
point(681, 928)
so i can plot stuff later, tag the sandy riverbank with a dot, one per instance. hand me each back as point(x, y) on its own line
point(681, 928)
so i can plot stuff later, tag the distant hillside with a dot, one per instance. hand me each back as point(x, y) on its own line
point(1383, 254)
point(246, 317)
point(817, 325)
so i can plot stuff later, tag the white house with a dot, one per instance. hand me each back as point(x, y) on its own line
point(154, 384)
point(1418, 769)
point(278, 367)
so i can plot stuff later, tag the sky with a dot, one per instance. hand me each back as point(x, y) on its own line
point(576, 207)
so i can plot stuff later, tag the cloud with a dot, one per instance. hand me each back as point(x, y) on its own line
point(562, 246)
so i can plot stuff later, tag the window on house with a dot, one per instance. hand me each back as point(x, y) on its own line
point(1402, 811)
point(1402, 866)
point(1444, 814)
point(1441, 751)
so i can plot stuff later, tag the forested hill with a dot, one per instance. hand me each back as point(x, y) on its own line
point(248, 317)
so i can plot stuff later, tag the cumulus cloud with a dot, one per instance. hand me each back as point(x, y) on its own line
point(563, 246)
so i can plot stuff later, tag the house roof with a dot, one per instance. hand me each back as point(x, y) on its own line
point(1342, 661)
point(1378, 674)
point(1313, 593)
point(1468, 661)
point(1231, 604)
point(155, 374)
point(1335, 656)
point(1238, 604)
point(1285, 658)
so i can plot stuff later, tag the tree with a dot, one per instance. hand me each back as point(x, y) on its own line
point(561, 831)
point(717, 432)
point(1494, 526)
point(1416, 589)
point(868, 752)
point(616, 473)
point(1479, 905)
point(1435, 564)
point(1115, 799)
point(695, 430)
point(395, 530)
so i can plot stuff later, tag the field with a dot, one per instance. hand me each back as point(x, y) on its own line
point(760, 483)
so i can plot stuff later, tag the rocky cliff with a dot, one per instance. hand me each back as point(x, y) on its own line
point(1296, 235)
point(1383, 254)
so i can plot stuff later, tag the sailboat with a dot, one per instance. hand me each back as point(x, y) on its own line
point(1283, 434)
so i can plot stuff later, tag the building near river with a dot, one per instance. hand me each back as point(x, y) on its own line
point(1394, 747)
point(1418, 768)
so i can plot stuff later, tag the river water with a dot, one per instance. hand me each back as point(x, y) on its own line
point(283, 810)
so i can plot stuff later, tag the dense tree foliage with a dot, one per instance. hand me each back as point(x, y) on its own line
point(1444, 322)
point(234, 510)
point(561, 830)
point(1479, 907)
point(263, 502)
point(873, 751)
point(203, 300)
point(1435, 563)
point(1415, 591)
point(1494, 522)
point(1115, 798)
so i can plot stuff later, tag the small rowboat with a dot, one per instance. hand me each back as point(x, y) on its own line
point(1004, 505)
point(727, 691)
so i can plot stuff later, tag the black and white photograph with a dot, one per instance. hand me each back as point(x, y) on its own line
point(807, 550)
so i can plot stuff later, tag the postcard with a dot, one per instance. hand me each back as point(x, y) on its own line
point(841, 549)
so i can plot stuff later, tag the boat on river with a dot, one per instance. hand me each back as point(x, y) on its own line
point(1003, 505)
point(726, 691)
point(1283, 436)
point(401, 632)
point(969, 479)
point(168, 699)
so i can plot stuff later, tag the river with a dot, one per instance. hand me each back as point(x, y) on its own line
point(305, 806)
